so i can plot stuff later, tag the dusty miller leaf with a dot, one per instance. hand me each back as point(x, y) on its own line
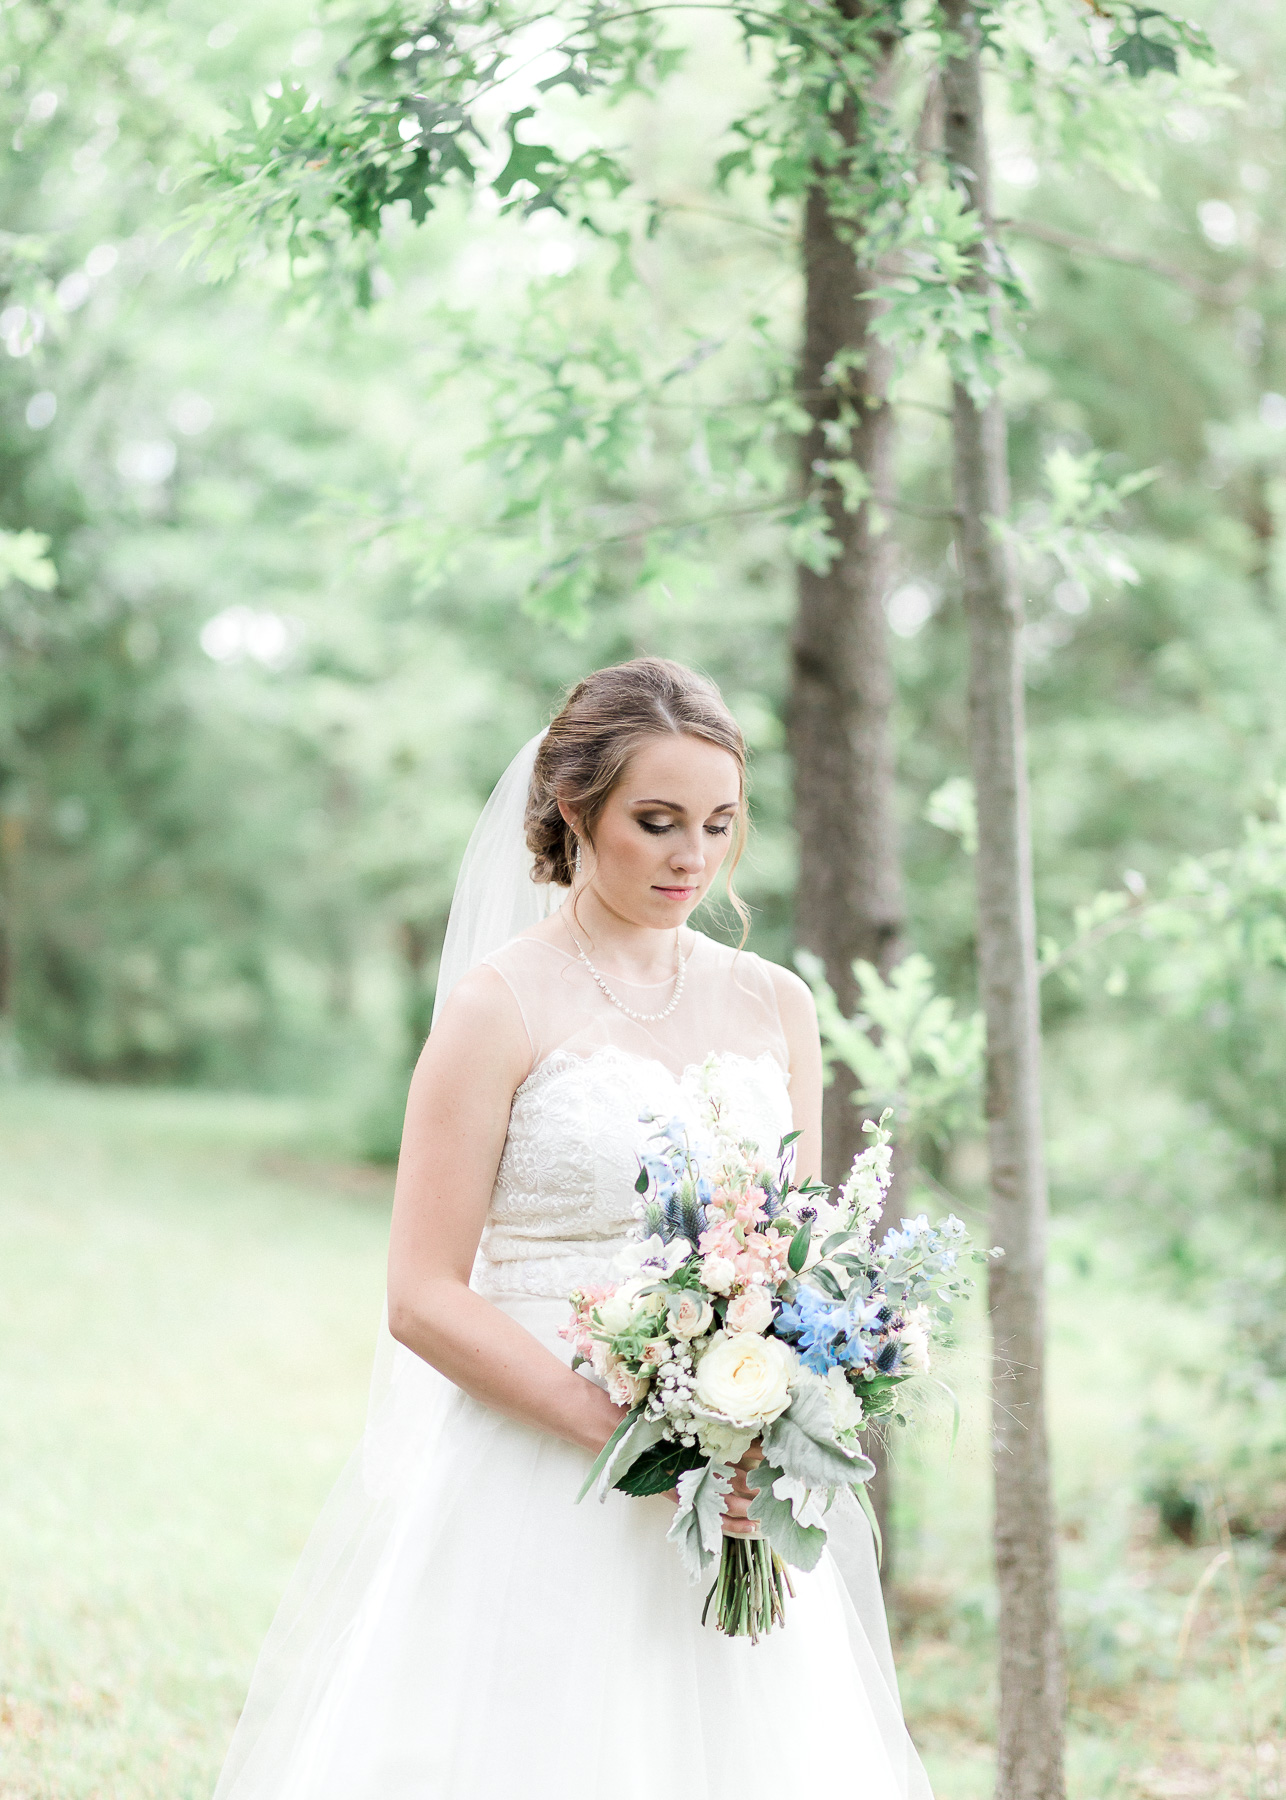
point(799, 1545)
point(697, 1529)
point(802, 1442)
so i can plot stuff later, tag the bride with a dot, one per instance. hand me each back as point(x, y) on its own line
point(458, 1628)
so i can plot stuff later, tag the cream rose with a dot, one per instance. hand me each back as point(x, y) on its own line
point(751, 1311)
point(718, 1274)
point(623, 1389)
point(745, 1378)
point(690, 1315)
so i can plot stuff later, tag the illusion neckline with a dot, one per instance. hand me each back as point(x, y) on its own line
point(608, 1051)
point(698, 938)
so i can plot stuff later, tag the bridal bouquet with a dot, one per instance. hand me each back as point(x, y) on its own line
point(751, 1310)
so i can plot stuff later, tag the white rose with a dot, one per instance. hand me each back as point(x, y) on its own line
point(914, 1344)
point(846, 1408)
point(723, 1441)
point(618, 1312)
point(718, 1274)
point(751, 1311)
point(691, 1315)
point(745, 1378)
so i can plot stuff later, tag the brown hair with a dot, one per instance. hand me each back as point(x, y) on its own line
point(602, 723)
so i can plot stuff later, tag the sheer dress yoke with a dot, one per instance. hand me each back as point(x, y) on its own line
point(565, 1184)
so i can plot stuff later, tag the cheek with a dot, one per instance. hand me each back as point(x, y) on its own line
point(631, 849)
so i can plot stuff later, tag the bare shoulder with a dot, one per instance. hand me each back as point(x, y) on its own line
point(794, 997)
point(481, 1020)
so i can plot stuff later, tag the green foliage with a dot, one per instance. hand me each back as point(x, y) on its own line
point(906, 1047)
point(1065, 530)
point(24, 557)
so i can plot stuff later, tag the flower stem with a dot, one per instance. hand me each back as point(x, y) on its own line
point(749, 1590)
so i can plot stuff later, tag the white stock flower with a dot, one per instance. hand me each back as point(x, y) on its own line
point(718, 1274)
point(745, 1378)
point(751, 1311)
point(915, 1344)
point(846, 1408)
point(691, 1315)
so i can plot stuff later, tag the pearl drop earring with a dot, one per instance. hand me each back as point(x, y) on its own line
point(576, 864)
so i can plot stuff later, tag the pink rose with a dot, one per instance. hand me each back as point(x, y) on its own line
point(751, 1311)
point(690, 1315)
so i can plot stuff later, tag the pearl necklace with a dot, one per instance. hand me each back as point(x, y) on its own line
point(641, 1018)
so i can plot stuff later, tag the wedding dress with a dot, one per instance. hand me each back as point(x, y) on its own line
point(459, 1628)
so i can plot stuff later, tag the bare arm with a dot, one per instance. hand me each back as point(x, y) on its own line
point(799, 1022)
point(457, 1115)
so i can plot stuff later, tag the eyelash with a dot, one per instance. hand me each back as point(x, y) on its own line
point(659, 830)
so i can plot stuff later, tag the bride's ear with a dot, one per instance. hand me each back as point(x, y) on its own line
point(569, 817)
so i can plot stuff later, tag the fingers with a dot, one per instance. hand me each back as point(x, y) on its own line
point(736, 1518)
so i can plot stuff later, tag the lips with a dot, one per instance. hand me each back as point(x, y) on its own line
point(676, 893)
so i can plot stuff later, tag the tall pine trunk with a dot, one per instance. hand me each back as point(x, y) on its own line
point(1030, 1726)
point(849, 899)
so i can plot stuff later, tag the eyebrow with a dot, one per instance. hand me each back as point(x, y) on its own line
point(673, 805)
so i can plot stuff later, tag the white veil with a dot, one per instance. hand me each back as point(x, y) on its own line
point(495, 897)
point(320, 1615)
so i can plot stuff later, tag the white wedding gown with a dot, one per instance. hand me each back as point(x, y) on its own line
point(460, 1629)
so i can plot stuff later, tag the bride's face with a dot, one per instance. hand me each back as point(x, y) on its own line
point(665, 830)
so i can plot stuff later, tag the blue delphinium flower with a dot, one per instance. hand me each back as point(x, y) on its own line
point(829, 1333)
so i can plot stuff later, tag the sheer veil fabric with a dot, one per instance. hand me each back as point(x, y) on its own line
point(457, 1628)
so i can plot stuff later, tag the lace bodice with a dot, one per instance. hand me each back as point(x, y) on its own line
point(564, 1191)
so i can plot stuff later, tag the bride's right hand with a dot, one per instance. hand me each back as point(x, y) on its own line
point(736, 1508)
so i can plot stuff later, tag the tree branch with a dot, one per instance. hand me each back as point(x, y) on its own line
point(1225, 293)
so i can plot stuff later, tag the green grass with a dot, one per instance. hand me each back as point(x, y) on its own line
point(187, 1315)
point(189, 1294)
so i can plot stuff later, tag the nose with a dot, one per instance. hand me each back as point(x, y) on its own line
point(689, 858)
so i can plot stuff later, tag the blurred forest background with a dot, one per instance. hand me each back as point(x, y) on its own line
point(289, 607)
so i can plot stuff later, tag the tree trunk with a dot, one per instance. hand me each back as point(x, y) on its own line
point(848, 900)
point(1030, 1725)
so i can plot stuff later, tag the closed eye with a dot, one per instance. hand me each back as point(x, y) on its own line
point(659, 830)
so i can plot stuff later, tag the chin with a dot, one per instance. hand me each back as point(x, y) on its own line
point(675, 908)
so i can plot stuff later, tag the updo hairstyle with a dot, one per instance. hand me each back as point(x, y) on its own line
point(585, 751)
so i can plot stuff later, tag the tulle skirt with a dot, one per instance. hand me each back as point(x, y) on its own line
point(458, 1629)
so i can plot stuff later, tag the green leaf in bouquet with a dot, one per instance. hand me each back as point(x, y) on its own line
point(790, 1138)
point(657, 1470)
point(955, 1411)
point(822, 1278)
point(799, 1545)
point(864, 1500)
point(697, 1528)
point(641, 1185)
point(641, 1436)
point(604, 1456)
point(802, 1442)
point(797, 1255)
